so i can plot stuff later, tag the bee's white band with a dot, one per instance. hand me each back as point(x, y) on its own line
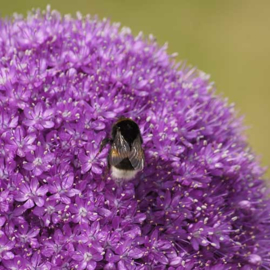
point(123, 174)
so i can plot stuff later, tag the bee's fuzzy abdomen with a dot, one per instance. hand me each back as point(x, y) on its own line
point(119, 174)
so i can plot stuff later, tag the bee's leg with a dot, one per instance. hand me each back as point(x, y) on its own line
point(107, 171)
point(103, 143)
point(106, 174)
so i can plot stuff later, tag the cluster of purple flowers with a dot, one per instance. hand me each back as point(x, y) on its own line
point(199, 203)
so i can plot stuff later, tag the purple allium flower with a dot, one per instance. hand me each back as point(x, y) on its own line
point(31, 194)
point(6, 248)
point(86, 257)
point(17, 263)
point(25, 235)
point(50, 212)
point(38, 161)
point(90, 158)
point(199, 203)
point(38, 118)
point(60, 187)
point(19, 143)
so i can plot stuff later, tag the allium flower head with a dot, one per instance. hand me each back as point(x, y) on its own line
point(199, 203)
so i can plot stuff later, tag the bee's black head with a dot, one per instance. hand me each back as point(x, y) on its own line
point(128, 128)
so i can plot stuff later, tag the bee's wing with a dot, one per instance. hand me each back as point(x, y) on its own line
point(119, 150)
point(136, 156)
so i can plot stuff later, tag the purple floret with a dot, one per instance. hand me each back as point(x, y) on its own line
point(199, 203)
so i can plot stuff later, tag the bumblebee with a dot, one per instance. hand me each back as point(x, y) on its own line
point(126, 156)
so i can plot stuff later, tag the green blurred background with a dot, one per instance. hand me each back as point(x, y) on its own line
point(228, 39)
